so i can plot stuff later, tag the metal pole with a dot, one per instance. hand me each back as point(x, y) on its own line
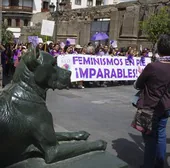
point(0, 23)
point(1, 71)
point(56, 21)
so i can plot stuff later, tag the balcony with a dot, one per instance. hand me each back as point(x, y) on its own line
point(17, 8)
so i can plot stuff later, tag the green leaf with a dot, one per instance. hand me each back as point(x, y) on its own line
point(156, 24)
point(7, 36)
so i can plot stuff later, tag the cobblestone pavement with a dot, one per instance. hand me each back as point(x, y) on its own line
point(104, 112)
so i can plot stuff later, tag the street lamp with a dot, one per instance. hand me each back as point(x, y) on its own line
point(56, 13)
point(52, 7)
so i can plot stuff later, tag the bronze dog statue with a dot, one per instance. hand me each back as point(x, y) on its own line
point(25, 119)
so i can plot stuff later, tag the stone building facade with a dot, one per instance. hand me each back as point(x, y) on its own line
point(16, 14)
point(120, 22)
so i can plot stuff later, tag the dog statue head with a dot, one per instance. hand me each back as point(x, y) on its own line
point(40, 68)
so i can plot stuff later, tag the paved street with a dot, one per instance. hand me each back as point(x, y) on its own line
point(104, 112)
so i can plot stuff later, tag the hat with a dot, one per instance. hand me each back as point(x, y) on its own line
point(24, 47)
point(78, 46)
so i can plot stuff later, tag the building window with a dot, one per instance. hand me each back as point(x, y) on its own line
point(101, 25)
point(45, 5)
point(25, 22)
point(98, 2)
point(9, 22)
point(13, 3)
point(17, 22)
point(77, 2)
point(89, 2)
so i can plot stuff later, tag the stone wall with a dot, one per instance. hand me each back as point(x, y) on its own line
point(124, 21)
point(38, 17)
point(27, 31)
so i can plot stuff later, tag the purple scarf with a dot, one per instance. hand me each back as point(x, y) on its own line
point(130, 58)
point(55, 53)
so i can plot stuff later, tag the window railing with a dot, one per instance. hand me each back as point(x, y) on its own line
point(17, 8)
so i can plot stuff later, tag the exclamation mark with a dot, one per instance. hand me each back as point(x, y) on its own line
point(136, 73)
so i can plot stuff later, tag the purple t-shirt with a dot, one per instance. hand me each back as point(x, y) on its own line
point(16, 53)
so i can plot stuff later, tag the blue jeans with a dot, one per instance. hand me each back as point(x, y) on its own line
point(155, 144)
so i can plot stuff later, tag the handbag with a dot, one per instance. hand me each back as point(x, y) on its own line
point(144, 118)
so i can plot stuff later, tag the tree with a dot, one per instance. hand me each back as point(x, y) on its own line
point(7, 36)
point(156, 24)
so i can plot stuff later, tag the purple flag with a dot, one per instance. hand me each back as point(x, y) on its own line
point(34, 40)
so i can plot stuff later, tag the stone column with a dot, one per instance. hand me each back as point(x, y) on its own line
point(131, 22)
point(13, 23)
point(5, 21)
point(84, 33)
point(29, 23)
point(94, 2)
point(1, 71)
point(114, 25)
point(21, 22)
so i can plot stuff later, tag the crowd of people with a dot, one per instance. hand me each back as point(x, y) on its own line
point(153, 104)
point(12, 53)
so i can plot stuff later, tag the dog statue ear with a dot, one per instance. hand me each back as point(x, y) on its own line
point(40, 75)
point(30, 58)
point(36, 50)
point(43, 74)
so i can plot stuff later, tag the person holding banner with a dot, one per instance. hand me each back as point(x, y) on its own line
point(154, 83)
point(78, 50)
point(56, 50)
point(106, 50)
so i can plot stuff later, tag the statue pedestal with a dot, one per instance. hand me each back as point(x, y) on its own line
point(92, 160)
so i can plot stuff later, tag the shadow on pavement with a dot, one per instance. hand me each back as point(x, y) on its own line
point(132, 152)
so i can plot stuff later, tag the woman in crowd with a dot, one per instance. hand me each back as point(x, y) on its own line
point(15, 51)
point(16, 54)
point(55, 50)
point(78, 50)
point(154, 82)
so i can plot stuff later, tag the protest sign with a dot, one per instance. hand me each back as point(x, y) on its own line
point(71, 41)
point(113, 43)
point(34, 40)
point(105, 68)
point(40, 40)
point(47, 28)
